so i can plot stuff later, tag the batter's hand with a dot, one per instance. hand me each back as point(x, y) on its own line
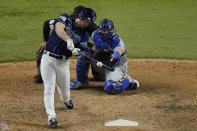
point(70, 44)
point(76, 51)
point(42, 46)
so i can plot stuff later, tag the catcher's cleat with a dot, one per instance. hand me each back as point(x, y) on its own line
point(69, 104)
point(77, 85)
point(133, 85)
point(53, 123)
point(38, 78)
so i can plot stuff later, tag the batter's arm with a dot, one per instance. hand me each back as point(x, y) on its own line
point(59, 28)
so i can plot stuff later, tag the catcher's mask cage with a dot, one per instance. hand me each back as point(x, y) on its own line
point(106, 26)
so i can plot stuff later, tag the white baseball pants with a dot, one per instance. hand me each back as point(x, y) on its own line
point(55, 71)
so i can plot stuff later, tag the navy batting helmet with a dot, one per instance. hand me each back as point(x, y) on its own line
point(92, 14)
point(106, 25)
point(87, 13)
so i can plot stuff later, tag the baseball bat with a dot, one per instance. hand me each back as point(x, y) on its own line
point(105, 66)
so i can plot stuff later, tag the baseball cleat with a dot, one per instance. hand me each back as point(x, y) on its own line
point(77, 85)
point(134, 85)
point(53, 123)
point(69, 104)
point(38, 78)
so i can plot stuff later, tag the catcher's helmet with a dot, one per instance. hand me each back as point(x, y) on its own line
point(87, 13)
point(106, 25)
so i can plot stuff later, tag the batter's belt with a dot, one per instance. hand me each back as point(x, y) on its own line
point(55, 56)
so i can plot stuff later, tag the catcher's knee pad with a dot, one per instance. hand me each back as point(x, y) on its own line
point(112, 88)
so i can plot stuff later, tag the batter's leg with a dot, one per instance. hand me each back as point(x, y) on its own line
point(63, 79)
point(49, 78)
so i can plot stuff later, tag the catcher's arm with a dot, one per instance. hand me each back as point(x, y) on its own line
point(117, 53)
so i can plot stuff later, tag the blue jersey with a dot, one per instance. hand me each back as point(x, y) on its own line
point(58, 46)
point(110, 43)
point(101, 43)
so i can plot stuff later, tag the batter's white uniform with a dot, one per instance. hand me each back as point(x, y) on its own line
point(55, 68)
point(55, 71)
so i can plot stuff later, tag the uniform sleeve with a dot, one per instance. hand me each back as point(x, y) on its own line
point(63, 18)
point(119, 44)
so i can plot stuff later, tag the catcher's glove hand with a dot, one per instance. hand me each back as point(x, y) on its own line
point(103, 56)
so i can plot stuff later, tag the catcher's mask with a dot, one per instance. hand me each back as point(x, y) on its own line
point(106, 29)
point(106, 25)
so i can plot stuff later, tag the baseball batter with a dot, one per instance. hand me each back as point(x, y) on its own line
point(55, 63)
point(48, 27)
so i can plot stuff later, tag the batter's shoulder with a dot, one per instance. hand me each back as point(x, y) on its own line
point(115, 36)
point(65, 19)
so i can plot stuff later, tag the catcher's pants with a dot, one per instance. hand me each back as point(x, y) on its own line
point(118, 73)
point(55, 71)
point(38, 60)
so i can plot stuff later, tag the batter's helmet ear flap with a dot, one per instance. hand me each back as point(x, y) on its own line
point(91, 14)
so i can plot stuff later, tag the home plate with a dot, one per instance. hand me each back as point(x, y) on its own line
point(121, 122)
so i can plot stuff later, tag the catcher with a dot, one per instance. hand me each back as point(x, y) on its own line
point(111, 51)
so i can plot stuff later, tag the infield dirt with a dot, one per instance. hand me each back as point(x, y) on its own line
point(166, 99)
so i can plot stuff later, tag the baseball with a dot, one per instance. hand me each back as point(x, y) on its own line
point(99, 64)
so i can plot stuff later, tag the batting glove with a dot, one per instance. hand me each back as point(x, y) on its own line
point(70, 44)
point(76, 51)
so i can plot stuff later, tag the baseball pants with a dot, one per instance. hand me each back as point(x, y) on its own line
point(55, 71)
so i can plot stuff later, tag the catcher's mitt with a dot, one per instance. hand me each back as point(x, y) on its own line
point(103, 56)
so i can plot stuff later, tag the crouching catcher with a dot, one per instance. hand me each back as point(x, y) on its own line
point(105, 39)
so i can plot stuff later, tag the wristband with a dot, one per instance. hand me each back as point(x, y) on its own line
point(116, 55)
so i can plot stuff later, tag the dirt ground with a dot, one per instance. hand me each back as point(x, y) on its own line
point(166, 99)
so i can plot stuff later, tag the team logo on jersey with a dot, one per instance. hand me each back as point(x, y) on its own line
point(51, 22)
point(63, 18)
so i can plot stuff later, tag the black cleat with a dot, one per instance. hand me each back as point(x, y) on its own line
point(38, 78)
point(53, 123)
point(133, 85)
point(69, 104)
